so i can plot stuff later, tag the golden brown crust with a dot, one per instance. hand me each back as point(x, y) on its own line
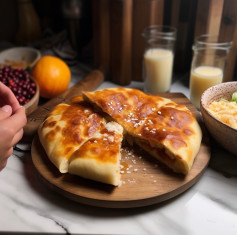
point(79, 141)
point(160, 122)
point(99, 158)
point(66, 128)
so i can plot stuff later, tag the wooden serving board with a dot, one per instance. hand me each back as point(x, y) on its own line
point(145, 180)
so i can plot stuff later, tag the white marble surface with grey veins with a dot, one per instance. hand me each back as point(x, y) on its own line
point(209, 207)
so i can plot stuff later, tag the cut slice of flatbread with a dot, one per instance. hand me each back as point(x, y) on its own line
point(168, 131)
point(99, 158)
point(66, 129)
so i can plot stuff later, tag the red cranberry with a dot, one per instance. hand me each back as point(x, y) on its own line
point(18, 80)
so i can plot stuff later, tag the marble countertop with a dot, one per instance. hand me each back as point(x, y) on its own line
point(28, 206)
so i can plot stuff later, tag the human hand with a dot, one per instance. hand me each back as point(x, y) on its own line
point(8, 98)
point(11, 131)
point(12, 121)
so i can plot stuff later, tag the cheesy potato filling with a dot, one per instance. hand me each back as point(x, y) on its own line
point(225, 112)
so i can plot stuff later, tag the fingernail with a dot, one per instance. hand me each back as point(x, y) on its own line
point(6, 108)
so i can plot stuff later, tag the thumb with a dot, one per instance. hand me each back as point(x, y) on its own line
point(5, 112)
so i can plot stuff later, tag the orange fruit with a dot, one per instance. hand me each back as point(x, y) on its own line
point(52, 75)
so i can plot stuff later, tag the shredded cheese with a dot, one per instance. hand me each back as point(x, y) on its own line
point(225, 112)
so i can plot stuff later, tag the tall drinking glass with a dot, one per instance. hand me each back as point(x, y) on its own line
point(158, 58)
point(208, 65)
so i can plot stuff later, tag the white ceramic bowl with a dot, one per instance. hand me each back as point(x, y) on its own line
point(23, 57)
point(225, 135)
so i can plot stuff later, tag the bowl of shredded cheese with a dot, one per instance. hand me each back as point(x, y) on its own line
point(218, 106)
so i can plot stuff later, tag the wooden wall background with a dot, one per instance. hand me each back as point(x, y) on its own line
point(118, 24)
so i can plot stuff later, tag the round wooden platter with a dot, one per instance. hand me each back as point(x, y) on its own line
point(145, 181)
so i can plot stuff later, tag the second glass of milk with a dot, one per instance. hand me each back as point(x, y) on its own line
point(208, 65)
point(158, 58)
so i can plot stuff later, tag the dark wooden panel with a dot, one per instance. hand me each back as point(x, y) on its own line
point(145, 13)
point(120, 41)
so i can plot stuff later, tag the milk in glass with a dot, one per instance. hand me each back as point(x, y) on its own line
point(158, 58)
point(158, 68)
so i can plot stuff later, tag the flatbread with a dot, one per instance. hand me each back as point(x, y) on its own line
point(168, 131)
point(99, 158)
point(79, 141)
point(66, 129)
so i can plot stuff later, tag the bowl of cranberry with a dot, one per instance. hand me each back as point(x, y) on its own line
point(22, 85)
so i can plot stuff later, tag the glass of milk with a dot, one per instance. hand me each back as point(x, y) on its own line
point(208, 65)
point(158, 58)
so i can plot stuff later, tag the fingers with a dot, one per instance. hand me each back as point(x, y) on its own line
point(11, 131)
point(18, 119)
point(8, 98)
point(5, 112)
point(12, 127)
